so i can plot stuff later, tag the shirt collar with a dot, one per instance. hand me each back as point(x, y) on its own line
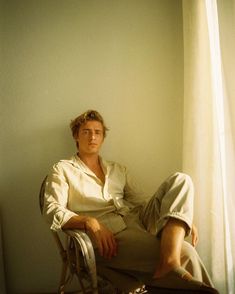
point(78, 163)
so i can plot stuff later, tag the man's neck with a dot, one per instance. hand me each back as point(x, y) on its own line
point(93, 163)
point(91, 160)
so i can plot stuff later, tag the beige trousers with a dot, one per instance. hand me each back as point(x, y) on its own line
point(138, 244)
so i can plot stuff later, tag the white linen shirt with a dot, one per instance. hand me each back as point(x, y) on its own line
point(73, 189)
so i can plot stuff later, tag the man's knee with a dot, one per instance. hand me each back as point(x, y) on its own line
point(182, 178)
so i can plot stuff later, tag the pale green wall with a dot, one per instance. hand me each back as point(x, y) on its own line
point(121, 57)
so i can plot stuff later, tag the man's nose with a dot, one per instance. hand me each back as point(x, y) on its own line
point(93, 135)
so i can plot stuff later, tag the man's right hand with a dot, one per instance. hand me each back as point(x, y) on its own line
point(104, 238)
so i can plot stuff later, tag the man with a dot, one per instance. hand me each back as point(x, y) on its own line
point(132, 233)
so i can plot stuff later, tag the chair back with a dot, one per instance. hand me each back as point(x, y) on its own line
point(41, 194)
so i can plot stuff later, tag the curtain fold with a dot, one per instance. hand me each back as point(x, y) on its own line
point(208, 152)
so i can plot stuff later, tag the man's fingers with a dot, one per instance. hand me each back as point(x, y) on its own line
point(195, 236)
point(107, 249)
point(194, 239)
point(109, 246)
point(100, 248)
point(106, 243)
point(113, 247)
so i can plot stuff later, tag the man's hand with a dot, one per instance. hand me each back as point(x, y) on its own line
point(195, 236)
point(103, 237)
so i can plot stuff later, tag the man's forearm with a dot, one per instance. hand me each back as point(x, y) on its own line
point(76, 222)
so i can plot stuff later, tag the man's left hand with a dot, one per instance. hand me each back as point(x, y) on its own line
point(195, 237)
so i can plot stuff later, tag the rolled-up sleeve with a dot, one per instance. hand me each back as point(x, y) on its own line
point(56, 198)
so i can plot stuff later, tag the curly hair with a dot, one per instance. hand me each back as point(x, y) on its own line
point(89, 115)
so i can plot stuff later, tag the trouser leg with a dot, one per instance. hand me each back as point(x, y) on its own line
point(191, 261)
point(174, 198)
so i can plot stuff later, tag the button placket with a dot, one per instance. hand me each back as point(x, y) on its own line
point(105, 192)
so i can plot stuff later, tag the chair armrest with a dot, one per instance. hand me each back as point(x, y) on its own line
point(84, 245)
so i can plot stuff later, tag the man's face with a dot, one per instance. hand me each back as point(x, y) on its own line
point(90, 137)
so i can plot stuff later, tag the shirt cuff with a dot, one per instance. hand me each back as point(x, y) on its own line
point(60, 219)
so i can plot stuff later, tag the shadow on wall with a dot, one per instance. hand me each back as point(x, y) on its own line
point(32, 159)
point(2, 266)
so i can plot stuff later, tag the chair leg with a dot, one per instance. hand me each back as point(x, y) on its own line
point(63, 279)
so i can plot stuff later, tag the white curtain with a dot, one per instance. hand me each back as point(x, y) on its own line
point(209, 131)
